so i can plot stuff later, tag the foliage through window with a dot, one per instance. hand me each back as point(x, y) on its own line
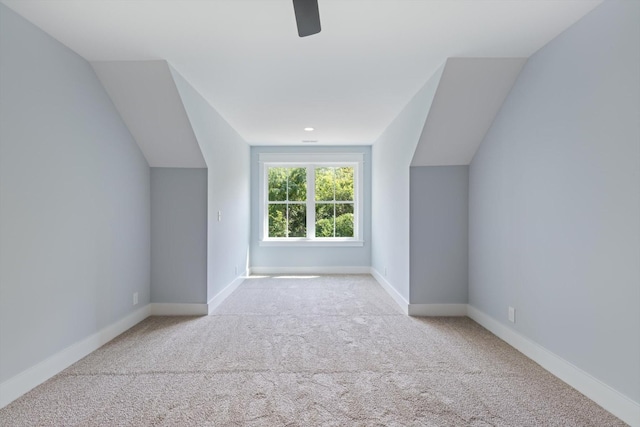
point(334, 201)
point(311, 201)
point(287, 202)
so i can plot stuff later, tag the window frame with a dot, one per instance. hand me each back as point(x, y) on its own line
point(310, 161)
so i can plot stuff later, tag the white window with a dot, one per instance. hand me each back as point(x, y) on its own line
point(311, 199)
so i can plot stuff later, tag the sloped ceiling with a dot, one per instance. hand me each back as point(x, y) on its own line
point(469, 95)
point(349, 81)
point(147, 99)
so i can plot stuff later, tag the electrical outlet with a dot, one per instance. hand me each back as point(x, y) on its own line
point(385, 272)
point(135, 298)
point(219, 216)
point(512, 315)
point(236, 270)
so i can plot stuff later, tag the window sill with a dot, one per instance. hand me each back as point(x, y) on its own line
point(312, 243)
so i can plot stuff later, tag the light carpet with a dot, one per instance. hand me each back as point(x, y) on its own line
point(306, 351)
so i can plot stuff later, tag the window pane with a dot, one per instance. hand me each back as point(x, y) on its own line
point(277, 220)
point(344, 184)
point(287, 206)
point(324, 220)
point(324, 184)
point(297, 220)
point(297, 184)
point(344, 220)
point(277, 185)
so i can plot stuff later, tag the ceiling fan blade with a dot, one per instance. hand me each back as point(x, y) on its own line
point(307, 17)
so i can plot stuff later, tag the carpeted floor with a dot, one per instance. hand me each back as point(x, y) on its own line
point(317, 351)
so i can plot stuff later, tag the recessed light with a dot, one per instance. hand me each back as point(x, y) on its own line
point(309, 129)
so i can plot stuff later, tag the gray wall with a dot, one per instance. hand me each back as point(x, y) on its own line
point(392, 154)
point(555, 201)
point(74, 201)
point(439, 234)
point(278, 256)
point(179, 235)
point(227, 156)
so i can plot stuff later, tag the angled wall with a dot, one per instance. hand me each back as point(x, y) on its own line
point(469, 95)
point(391, 155)
point(146, 96)
point(74, 203)
point(147, 99)
point(555, 201)
point(228, 157)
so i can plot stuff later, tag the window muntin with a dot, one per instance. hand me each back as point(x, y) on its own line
point(327, 209)
point(335, 200)
point(287, 188)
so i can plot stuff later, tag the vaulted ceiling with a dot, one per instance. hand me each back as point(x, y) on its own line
point(148, 101)
point(348, 82)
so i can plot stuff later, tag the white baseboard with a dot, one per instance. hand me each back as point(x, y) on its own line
point(610, 399)
point(224, 294)
point(399, 299)
point(36, 375)
point(182, 309)
point(437, 310)
point(311, 270)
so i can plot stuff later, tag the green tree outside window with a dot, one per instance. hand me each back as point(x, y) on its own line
point(334, 201)
point(288, 188)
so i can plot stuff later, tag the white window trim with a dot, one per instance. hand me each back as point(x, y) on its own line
point(310, 160)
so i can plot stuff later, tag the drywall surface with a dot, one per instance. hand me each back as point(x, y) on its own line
point(179, 235)
point(439, 234)
point(146, 97)
point(391, 156)
point(470, 94)
point(555, 201)
point(296, 256)
point(227, 156)
point(74, 201)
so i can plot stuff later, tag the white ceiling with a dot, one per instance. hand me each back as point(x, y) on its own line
point(469, 95)
point(349, 81)
point(148, 101)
